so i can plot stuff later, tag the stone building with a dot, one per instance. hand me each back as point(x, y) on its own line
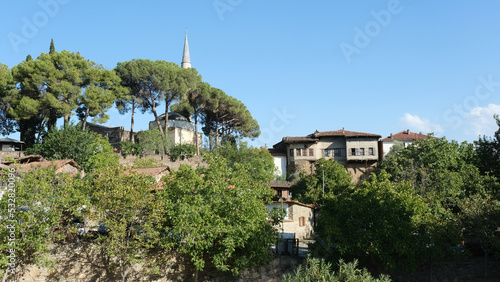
point(359, 152)
point(115, 134)
point(181, 130)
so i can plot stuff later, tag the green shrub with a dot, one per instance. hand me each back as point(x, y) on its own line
point(89, 149)
point(182, 151)
point(319, 270)
point(129, 148)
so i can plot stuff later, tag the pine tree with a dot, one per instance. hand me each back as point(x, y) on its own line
point(29, 58)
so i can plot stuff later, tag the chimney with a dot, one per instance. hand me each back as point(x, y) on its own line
point(407, 131)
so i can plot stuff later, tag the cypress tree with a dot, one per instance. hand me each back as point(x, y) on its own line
point(52, 48)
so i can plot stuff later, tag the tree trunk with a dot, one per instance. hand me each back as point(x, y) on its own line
point(132, 139)
point(84, 123)
point(66, 121)
point(216, 134)
point(157, 121)
point(196, 134)
point(166, 119)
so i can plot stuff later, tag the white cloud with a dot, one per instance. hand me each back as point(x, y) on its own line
point(415, 123)
point(480, 120)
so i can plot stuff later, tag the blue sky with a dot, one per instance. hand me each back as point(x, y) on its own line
point(299, 66)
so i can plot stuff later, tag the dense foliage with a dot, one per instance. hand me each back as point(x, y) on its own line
point(309, 188)
point(216, 215)
point(422, 203)
point(36, 93)
point(182, 151)
point(56, 85)
point(39, 215)
point(88, 149)
point(320, 270)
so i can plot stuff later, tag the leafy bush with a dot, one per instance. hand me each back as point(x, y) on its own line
point(129, 148)
point(89, 149)
point(182, 151)
point(319, 270)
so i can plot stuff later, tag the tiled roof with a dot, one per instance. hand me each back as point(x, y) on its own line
point(280, 184)
point(58, 164)
point(10, 140)
point(153, 171)
point(344, 133)
point(406, 135)
point(313, 137)
point(299, 139)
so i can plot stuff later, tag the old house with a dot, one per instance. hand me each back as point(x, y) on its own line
point(282, 189)
point(11, 148)
point(357, 151)
point(9, 144)
point(406, 137)
point(299, 219)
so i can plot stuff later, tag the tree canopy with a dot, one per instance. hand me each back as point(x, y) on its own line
point(217, 216)
point(90, 150)
point(55, 85)
point(226, 116)
point(156, 82)
point(309, 188)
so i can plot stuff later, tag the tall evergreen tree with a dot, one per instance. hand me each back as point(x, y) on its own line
point(52, 48)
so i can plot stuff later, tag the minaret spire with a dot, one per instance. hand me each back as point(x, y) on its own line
point(186, 60)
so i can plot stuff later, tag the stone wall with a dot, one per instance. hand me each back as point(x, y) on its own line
point(11, 154)
point(164, 160)
point(73, 262)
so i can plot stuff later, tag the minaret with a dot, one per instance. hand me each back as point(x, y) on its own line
point(186, 61)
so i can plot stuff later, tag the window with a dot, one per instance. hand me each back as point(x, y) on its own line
point(291, 152)
point(302, 221)
point(361, 151)
point(311, 152)
point(354, 151)
point(304, 152)
point(326, 153)
point(298, 152)
point(371, 151)
point(336, 152)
